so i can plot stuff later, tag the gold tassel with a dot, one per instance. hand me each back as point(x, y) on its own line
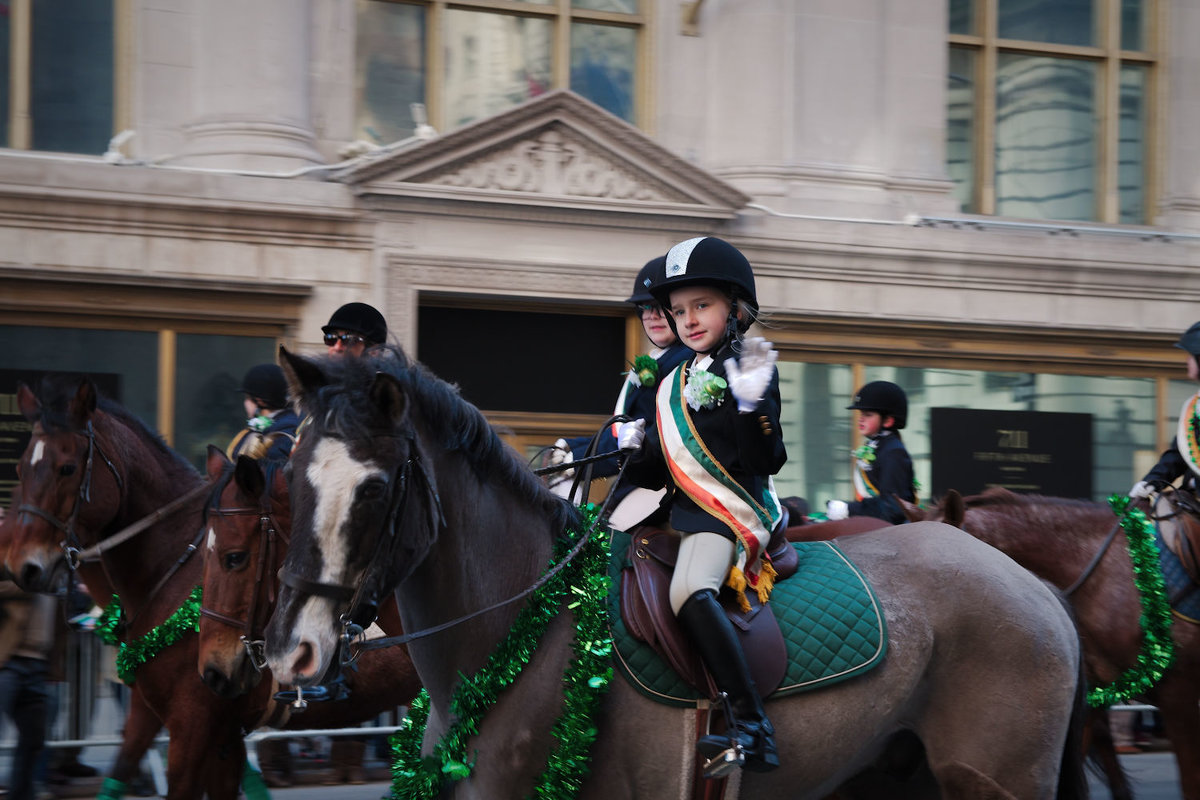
point(737, 582)
point(766, 581)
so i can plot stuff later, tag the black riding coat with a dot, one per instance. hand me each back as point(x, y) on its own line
point(1170, 467)
point(748, 446)
point(281, 435)
point(892, 474)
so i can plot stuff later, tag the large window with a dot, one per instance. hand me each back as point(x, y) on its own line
point(465, 61)
point(1048, 108)
point(57, 59)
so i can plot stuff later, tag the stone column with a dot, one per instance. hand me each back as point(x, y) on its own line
point(252, 95)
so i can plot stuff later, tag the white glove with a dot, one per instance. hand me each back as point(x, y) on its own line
point(750, 375)
point(836, 509)
point(561, 454)
point(1141, 491)
point(631, 434)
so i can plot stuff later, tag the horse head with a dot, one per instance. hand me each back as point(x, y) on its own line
point(63, 490)
point(249, 518)
point(951, 509)
point(364, 505)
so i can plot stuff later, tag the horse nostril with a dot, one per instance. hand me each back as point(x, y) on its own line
point(216, 681)
point(31, 576)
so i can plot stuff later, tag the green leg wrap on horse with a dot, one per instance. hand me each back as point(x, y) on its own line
point(111, 789)
point(253, 784)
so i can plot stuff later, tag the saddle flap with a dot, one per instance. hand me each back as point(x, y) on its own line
point(1177, 513)
point(646, 612)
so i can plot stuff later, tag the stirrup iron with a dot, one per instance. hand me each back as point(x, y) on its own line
point(720, 763)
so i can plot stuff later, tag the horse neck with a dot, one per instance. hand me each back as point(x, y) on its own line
point(151, 479)
point(491, 548)
point(1054, 542)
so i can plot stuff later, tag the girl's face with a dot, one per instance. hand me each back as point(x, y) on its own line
point(654, 323)
point(1193, 368)
point(251, 408)
point(870, 422)
point(700, 313)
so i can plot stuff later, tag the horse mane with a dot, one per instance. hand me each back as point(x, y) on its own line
point(58, 390)
point(456, 424)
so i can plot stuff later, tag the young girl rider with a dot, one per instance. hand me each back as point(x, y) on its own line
point(715, 442)
point(631, 505)
point(1182, 458)
point(883, 469)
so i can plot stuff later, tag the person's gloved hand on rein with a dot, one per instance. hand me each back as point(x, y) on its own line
point(631, 435)
point(750, 375)
point(836, 509)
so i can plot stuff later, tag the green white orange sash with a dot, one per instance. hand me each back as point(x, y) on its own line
point(863, 488)
point(1186, 439)
point(702, 478)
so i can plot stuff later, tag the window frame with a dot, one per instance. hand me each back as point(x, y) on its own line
point(987, 46)
point(20, 70)
point(561, 15)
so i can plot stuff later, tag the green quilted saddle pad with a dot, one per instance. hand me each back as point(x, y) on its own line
point(827, 612)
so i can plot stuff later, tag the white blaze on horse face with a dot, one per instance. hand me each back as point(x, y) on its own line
point(39, 450)
point(212, 540)
point(334, 475)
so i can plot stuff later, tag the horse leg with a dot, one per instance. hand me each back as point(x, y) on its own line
point(206, 756)
point(1102, 751)
point(141, 726)
point(1177, 700)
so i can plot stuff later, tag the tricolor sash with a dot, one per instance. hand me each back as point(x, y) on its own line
point(698, 474)
point(863, 488)
point(1186, 439)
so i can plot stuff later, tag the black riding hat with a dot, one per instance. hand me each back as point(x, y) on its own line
point(359, 318)
point(708, 261)
point(885, 397)
point(1190, 340)
point(266, 382)
point(647, 276)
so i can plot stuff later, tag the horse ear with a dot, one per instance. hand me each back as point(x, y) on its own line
point(954, 510)
point(249, 476)
point(215, 462)
point(304, 377)
point(911, 510)
point(83, 404)
point(31, 407)
point(388, 396)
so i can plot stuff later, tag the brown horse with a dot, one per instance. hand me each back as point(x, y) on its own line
point(248, 531)
point(398, 483)
point(97, 484)
point(1058, 539)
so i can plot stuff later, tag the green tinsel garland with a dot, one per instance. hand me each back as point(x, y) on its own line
point(583, 587)
point(1158, 648)
point(132, 655)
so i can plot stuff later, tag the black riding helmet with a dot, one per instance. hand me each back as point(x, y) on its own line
point(884, 397)
point(709, 261)
point(1190, 340)
point(359, 318)
point(267, 383)
point(647, 276)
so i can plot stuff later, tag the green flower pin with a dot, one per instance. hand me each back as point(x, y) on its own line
point(704, 390)
point(645, 371)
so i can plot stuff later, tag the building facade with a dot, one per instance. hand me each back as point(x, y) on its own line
point(995, 203)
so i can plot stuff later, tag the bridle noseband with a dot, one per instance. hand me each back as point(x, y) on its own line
point(251, 638)
point(71, 545)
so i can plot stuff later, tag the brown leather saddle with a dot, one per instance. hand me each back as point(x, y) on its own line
point(646, 611)
point(1177, 513)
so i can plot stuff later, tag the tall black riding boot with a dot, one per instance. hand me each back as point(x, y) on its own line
point(715, 639)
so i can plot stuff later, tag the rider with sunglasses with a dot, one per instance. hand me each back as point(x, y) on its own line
point(353, 328)
point(631, 505)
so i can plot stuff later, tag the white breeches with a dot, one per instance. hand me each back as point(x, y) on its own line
point(704, 562)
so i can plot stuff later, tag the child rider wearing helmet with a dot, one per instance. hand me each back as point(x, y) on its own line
point(715, 442)
point(883, 469)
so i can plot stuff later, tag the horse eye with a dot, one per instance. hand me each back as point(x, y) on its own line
point(372, 490)
point(66, 470)
point(236, 560)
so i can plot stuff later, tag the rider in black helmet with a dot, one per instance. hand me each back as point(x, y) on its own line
point(353, 328)
point(270, 428)
point(1179, 460)
point(716, 442)
point(883, 469)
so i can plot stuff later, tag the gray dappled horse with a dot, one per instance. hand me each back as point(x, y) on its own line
point(982, 674)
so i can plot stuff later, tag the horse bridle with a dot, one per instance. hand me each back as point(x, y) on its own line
point(71, 545)
point(361, 609)
point(252, 640)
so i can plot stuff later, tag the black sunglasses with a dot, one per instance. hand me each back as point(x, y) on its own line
point(347, 339)
point(651, 308)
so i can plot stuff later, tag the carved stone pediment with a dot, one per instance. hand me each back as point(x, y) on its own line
point(557, 150)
